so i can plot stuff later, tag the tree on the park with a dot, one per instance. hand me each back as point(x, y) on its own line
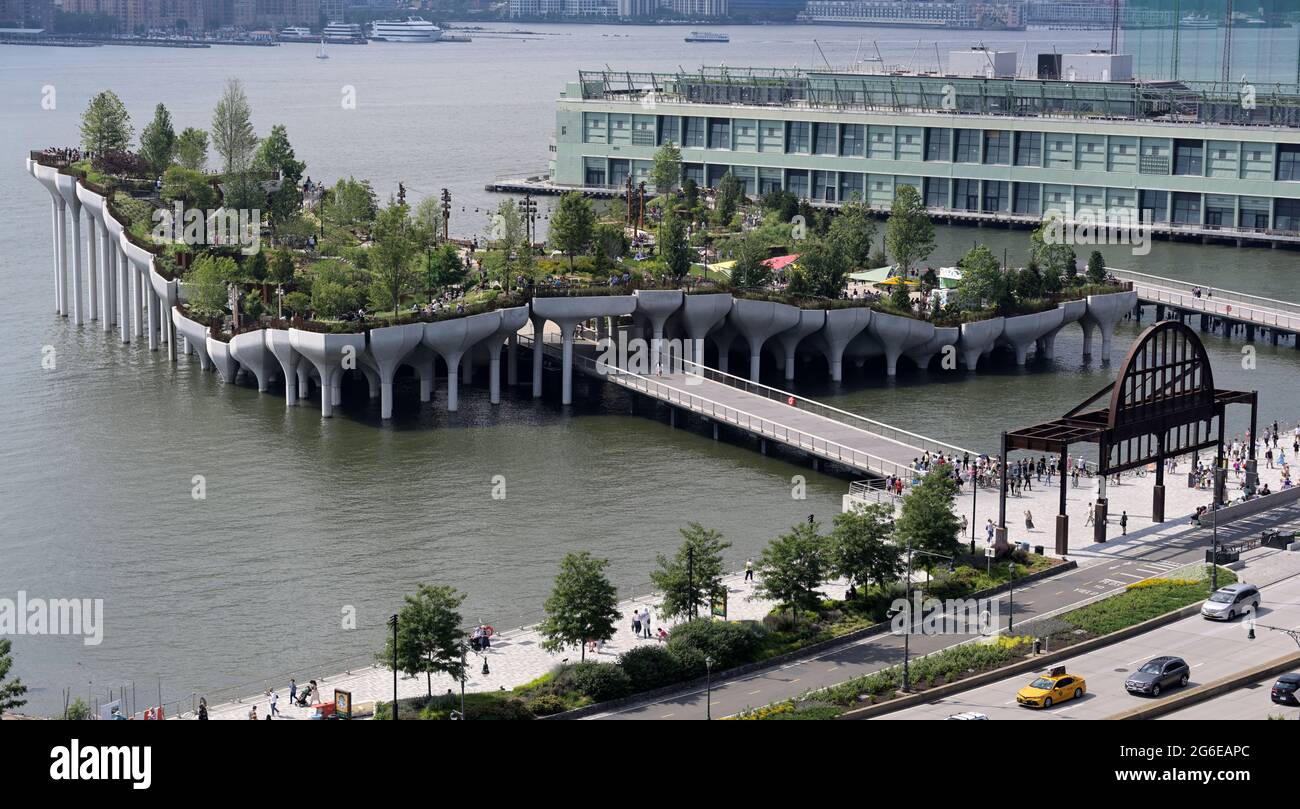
point(391, 269)
point(666, 173)
point(106, 125)
point(280, 269)
point(190, 187)
point(693, 575)
point(443, 267)
point(926, 520)
point(192, 149)
point(731, 192)
point(750, 270)
point(821, 271)
point(429, 636)
point(900, 295)
point(983, 284)
point(275, 154)
point(674, 250)
point(572, 225)
point(11, 692)
point(860, 547)
point(232, 129)
point(1056, 259)
point(792, 567)
point(330, 299)
point(909, 233)
point(158, 140)
point(205, 284)
point(351, 205)
point(428, 214)
point(852, 232)
point(1096, 268)
point(582, 607)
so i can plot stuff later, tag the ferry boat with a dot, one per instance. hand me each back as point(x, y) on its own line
point(1198, 21)
point(344, 33)
point(707, 36)
point(411, 29)
point(295, 33)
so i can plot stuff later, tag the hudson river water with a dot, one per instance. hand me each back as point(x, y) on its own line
point(305, 518)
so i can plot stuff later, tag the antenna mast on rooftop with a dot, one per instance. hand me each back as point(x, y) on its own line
point(1227, 45)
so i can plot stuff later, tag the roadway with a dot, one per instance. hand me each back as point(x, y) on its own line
point(1248, 702)
point(1058, 593)
point(1212, 649)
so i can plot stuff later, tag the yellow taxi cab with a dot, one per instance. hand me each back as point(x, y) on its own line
point(1048, 690)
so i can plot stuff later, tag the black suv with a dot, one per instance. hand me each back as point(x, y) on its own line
point(1286, 691)
point(1158, 674)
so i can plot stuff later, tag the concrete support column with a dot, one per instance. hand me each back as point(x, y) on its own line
point(169, 331)
point(151, 314)
point(512, 359)
point(566, 371)
point(539, 333)
point(61, 249)
point(123, 274)
point(106, 298)
point(54, 227)
point(137, 293)
point(94, 276)
point(453, 381)
point(494, 375)
point(78, 302)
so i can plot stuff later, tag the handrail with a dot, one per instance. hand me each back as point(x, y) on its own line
point(878, 428)
point(793, 436)
point(1254, 317)
point(1214, 293)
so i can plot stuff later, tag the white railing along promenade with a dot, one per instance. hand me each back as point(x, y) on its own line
point(1254, 309)
point(750, 422)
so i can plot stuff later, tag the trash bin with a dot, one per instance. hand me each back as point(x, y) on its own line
point(1223, 558)
point(1274, 539)
point(1038, 549)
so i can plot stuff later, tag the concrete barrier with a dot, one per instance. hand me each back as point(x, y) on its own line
point(1201, 693)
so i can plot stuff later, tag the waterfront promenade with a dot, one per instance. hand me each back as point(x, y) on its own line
point(1148, 550)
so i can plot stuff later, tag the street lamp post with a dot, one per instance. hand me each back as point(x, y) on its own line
point(708, 687)
point(1011, 611)
point(907, 598)
point(392, 622)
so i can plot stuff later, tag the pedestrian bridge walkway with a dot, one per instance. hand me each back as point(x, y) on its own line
point(770, 414)
point(1253, 311)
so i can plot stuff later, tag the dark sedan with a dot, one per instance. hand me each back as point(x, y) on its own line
point(1286, 691)
point(1157, 675)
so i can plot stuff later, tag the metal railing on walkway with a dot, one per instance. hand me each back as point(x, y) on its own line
point(1209, 296)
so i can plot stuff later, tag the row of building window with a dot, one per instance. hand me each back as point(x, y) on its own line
point(1181, 157)
point(983, 196)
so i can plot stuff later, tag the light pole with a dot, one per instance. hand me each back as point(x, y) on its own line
point(1294, 634)
point(1011, 612)
point(708, 687)
point(392, 622)
point(907, 599)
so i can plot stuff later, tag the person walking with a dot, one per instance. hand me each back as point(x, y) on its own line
point(293, 691)
point(749, 569)
point(988, 531)
point(275, 699)
point(1123, 523)
point(1029, 520)
point(1091, 517)
point(645, 621)
point(636, 624)
point(203, 708)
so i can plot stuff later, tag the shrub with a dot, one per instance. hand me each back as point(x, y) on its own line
point(599, 681)
point(508, 709)
point(650, 667)
point(546, 704)
point(729, 644)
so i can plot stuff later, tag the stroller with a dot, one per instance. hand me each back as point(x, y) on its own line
point(306, 694)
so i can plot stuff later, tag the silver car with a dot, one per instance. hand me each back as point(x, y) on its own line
point(1227, 603)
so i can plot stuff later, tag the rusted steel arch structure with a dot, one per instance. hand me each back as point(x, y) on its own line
point(1162, 404)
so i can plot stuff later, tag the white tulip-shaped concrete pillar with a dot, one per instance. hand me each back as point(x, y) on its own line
point(1071, 312)
point(842, 326)
point(512, 320)
point(810, 321)
point(68, 188)
point(140, 260)
point(166, 294)
point(196, 336)
point(423, 360)
point(93, 205)
point(757, 321)
point(452, 339)
point(49, 177)
point(978, 339)
point(1103, 312)
point(699, 315)
point(1022, 331)
point(567, 313)
point(249, 350)
point(225, 363)
point(331, 354)
point(277, 342)
point(539, 343)
point(898, 334)
point(943, 337)
point(121, 278)
point(389, 347)
point(656, 306)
